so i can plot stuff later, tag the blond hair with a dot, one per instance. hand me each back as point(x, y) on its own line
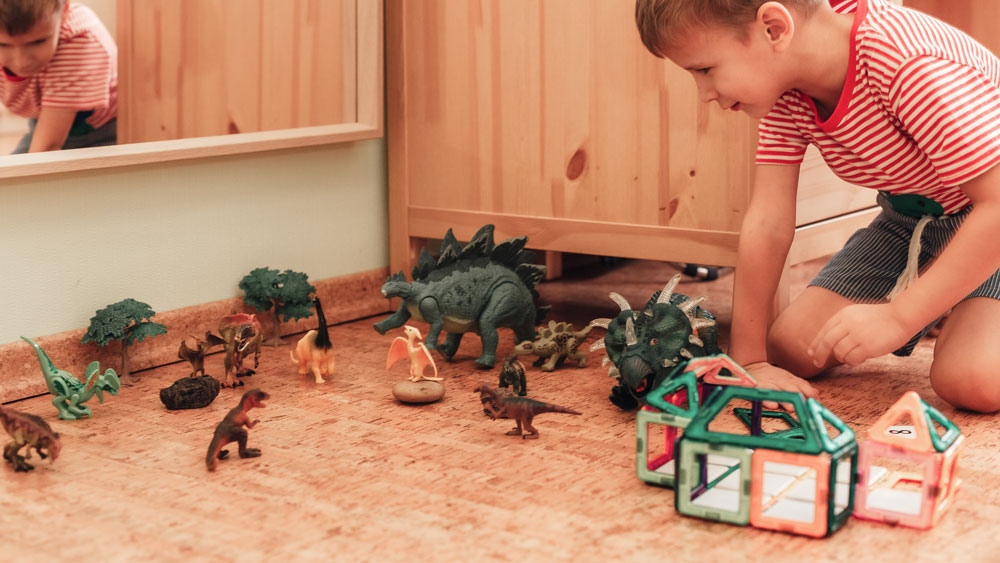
point(19, 16)
point(661, 23)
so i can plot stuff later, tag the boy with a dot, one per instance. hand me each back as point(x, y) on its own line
point(60, 70)
point(896, 101)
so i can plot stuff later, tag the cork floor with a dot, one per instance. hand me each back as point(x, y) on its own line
point(349, 474)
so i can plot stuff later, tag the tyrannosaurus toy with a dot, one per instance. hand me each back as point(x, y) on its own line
point(231, 429)
point(521, 409)
point(476, 288)
point(70, 392)
point(31, 431)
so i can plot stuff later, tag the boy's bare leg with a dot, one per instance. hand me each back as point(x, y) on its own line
point(796, 327)
point(967, 355)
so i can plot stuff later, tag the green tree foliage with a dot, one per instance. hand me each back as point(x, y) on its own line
point(126, 320)
point(288, 292)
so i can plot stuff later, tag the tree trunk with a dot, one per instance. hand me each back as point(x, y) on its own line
point(275, 339)
point(124, 377)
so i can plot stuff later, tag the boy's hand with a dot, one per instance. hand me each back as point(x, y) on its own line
point(770, 376)
point(859, 332)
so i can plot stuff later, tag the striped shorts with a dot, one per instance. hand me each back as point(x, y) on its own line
point(866, 269)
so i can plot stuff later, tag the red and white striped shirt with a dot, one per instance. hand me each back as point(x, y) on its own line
point(919, 114)
point(82, 74)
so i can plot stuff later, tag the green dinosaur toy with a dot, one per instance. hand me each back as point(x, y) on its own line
point(69, 391)
point(476, 288)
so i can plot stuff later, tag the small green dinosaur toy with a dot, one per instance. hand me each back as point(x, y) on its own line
point(69, 391)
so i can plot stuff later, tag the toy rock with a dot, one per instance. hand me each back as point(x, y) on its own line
point(30, 431)
point(69, 391)
point(476, 288)
point(554, 344)
point(424, 391)
point(190, 393)
point(521, 409)
point(644, 347)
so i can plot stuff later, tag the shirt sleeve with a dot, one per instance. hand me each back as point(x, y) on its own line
point(951, 111)
point(79, 75)
point(779, 141)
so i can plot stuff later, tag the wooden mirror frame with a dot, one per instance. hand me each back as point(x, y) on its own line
point(369, 124)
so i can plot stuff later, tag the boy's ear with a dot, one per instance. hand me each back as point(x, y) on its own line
point(777, 22)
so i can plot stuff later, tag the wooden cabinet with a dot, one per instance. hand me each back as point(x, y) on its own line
point(549, 118)
point(215, 67)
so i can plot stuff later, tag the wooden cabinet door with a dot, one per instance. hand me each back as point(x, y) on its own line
point(193, 68)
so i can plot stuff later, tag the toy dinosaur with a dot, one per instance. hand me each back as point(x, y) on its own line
point(476, 288)
point(196, 355)
point(554, 344)
point(411, 347)
point(69, 391)
point(512, 375)
point(241, 334)
point(31, 431)
point(521, 409)
point(315, 351)
point(231, 429)
point(646, 346)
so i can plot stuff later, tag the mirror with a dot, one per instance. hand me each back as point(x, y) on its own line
point(208, 77)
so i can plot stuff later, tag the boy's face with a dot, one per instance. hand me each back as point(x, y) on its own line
point(28, 53)
point(741, 75)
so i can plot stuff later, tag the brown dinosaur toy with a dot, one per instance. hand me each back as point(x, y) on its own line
point(241, 335)
point(196, 355)
point(231, 429)
point(27, 430)
point(555, 343)
point(521, 409)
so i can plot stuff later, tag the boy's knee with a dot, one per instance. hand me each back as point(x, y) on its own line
point(967, 386)
point(786, 348)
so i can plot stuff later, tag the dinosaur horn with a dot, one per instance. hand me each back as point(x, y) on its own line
point(599, 345)
point(668, 290)
point(620, 301)
point(602, 323)
point(701, 323)
point(630, 338)
point(690, 304)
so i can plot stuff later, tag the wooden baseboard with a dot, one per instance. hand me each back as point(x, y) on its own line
point(344, 298)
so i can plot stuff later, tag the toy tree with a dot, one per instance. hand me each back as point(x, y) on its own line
point(127, 322)
point(289, 293)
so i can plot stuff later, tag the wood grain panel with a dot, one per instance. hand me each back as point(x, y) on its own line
point(978, 18)
point(555, 109)
point(194, 68)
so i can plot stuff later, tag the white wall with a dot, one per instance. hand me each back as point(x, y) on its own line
point(184, 233)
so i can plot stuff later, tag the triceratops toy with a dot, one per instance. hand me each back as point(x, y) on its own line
point(646, 346)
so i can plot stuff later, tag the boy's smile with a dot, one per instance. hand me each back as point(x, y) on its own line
point(736, 74)
point(28, 53)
